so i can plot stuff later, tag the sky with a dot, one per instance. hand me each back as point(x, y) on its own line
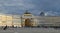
point(49, 7)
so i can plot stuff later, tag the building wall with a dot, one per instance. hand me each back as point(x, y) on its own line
point(50, 20)
point(27, 16)
point(10, 20)
point(16, 20)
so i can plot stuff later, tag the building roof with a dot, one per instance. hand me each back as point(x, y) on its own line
point(27, 12)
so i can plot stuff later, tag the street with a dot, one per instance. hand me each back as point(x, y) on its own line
point(30, 30)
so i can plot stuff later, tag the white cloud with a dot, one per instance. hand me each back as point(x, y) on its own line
point(20, 4)
point(17, 3)
point(5, 6)
point(51, 13)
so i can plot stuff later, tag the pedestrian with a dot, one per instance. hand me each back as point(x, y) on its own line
point(5, 27)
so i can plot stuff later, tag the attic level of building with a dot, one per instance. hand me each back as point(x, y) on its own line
point(27, 12)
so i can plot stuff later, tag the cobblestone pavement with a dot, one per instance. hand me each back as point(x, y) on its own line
point(30, 30)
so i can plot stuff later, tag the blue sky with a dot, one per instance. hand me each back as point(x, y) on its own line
point(50, 7)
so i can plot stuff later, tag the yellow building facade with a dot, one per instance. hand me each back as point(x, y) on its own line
point(27, 19)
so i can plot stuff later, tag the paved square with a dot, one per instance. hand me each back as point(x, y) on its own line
point(30, 30)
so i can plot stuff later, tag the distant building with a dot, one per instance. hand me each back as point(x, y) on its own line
point(27, 19)
point(42, 14)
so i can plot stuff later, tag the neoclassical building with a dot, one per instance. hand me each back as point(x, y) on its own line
point(28, 19)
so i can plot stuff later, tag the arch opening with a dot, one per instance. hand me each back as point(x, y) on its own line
point(28, 22)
